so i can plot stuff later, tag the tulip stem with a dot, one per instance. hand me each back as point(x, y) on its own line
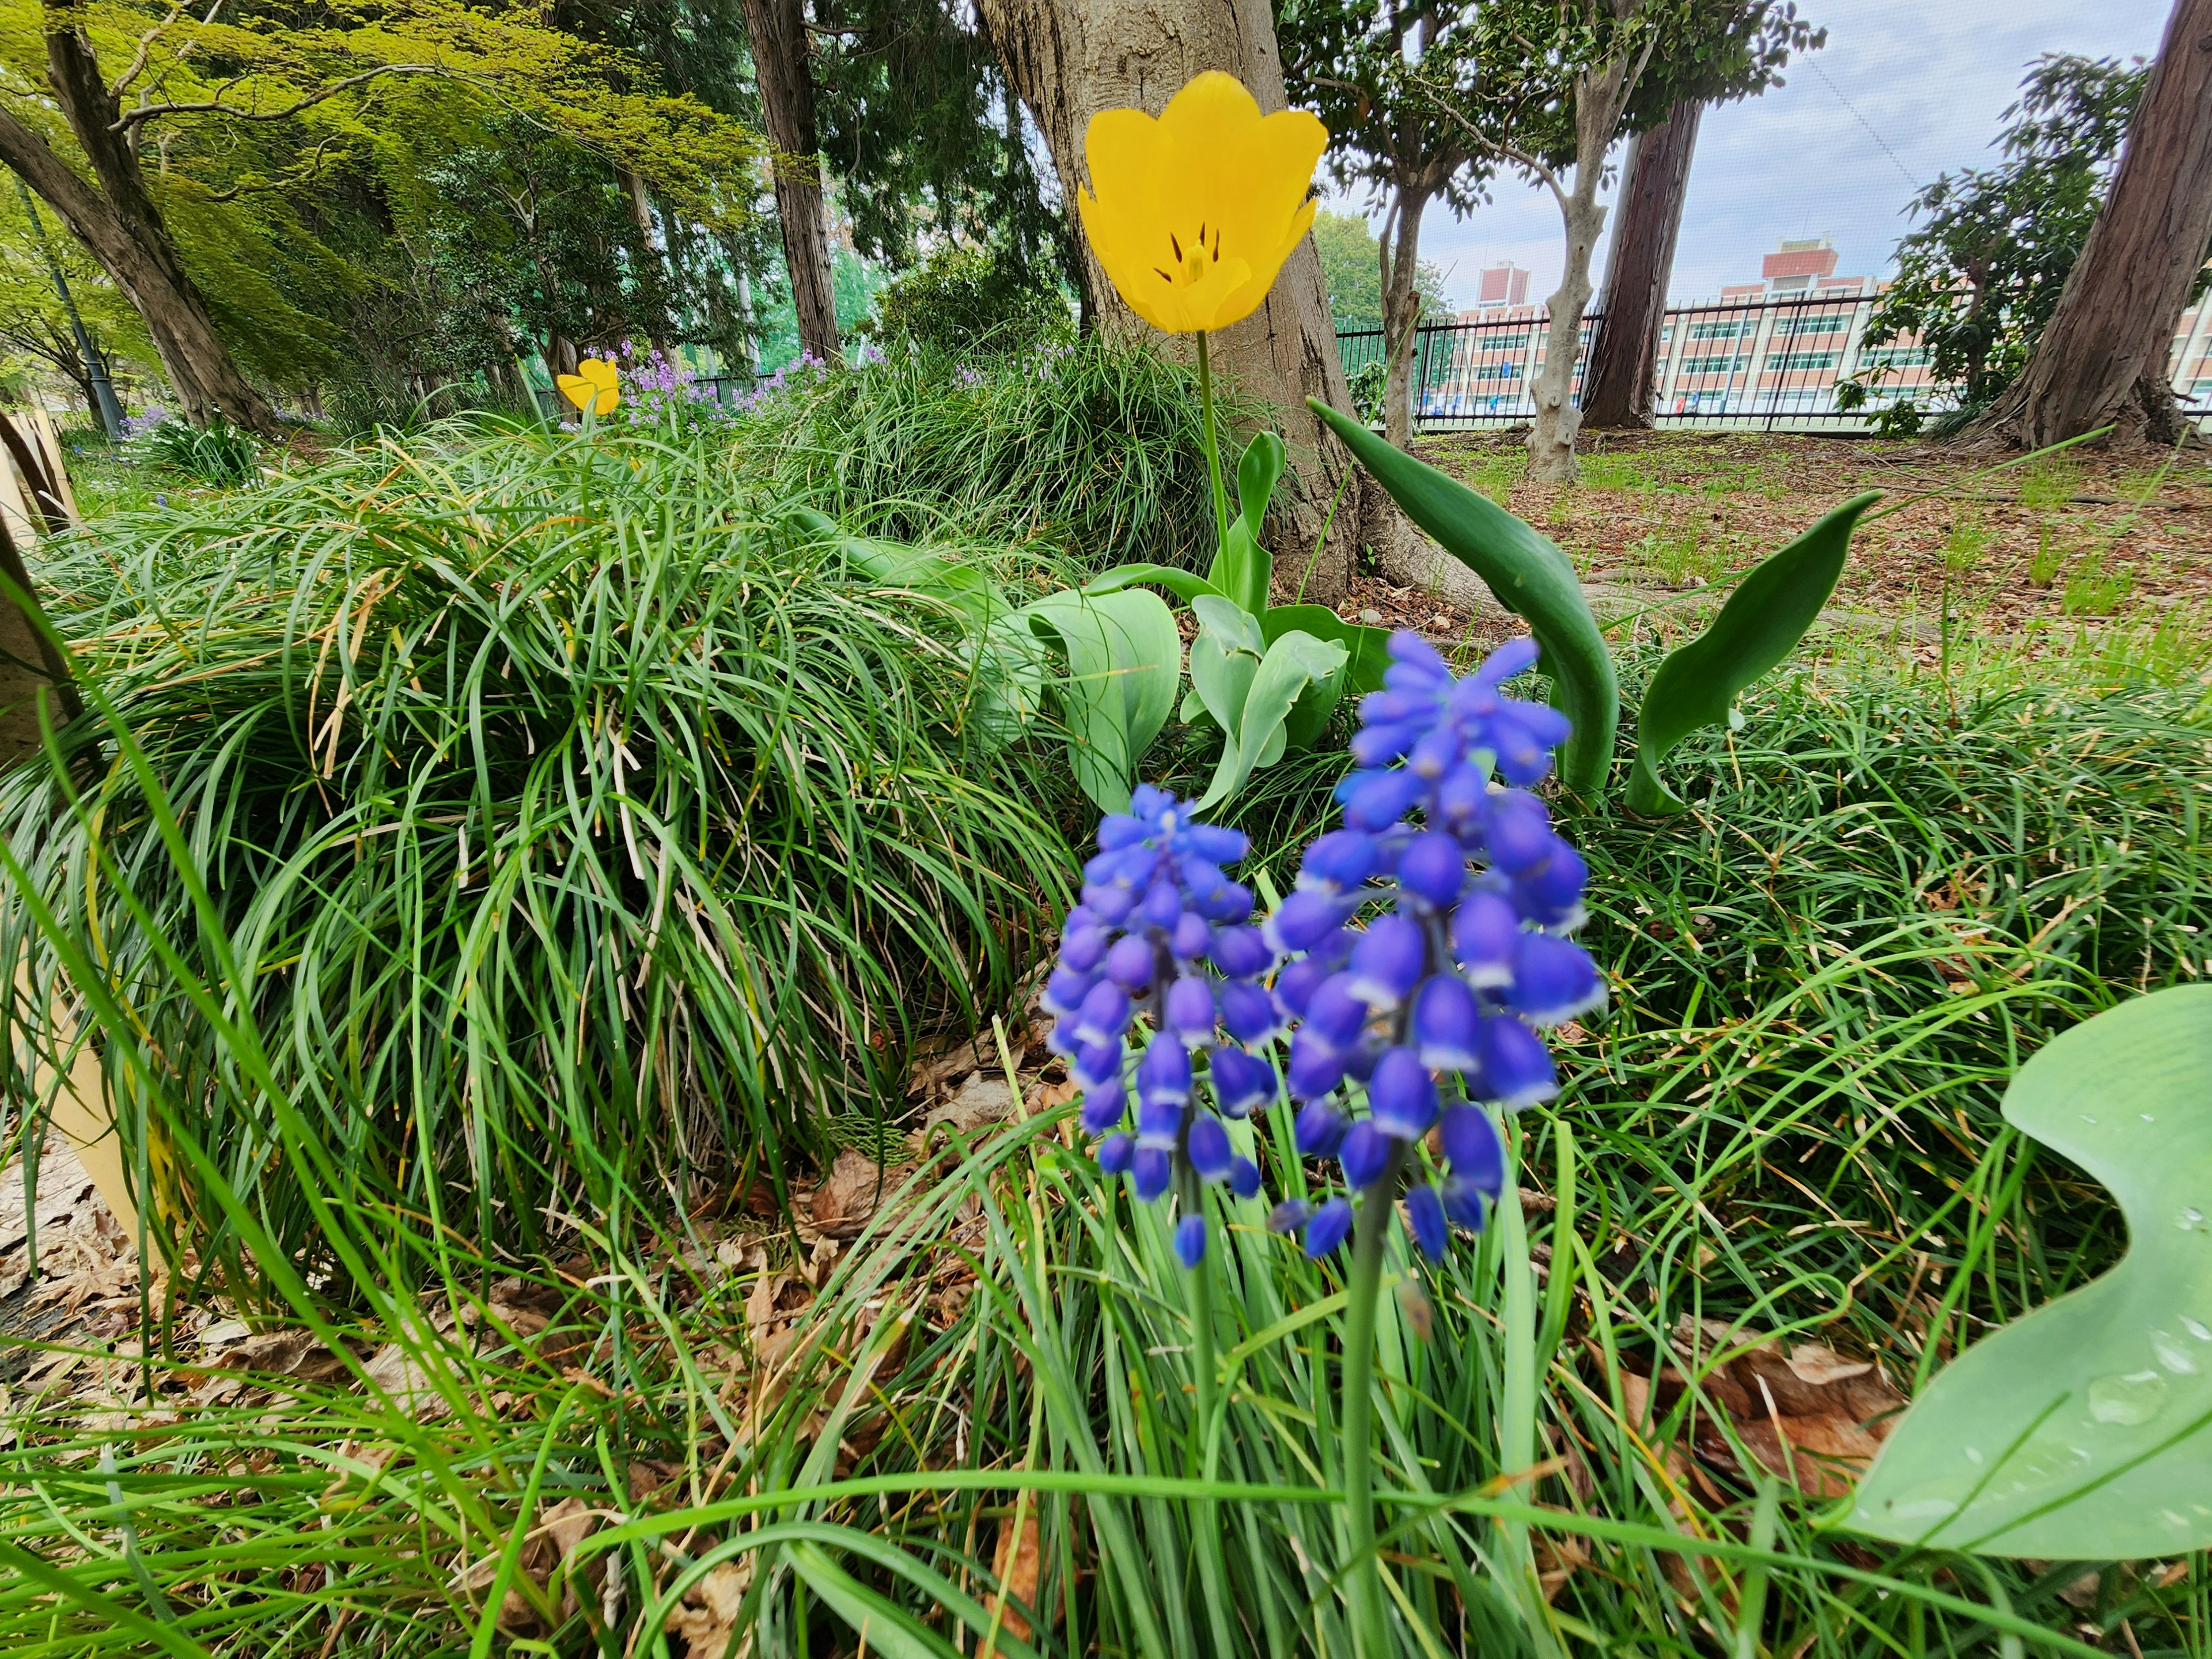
point(1213, 443)
point(1371, 1633)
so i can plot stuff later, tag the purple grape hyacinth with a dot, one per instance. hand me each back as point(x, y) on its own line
point(1161, 934)
point(1436, 1005)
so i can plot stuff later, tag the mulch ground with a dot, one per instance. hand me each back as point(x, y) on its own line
point(2088, 539)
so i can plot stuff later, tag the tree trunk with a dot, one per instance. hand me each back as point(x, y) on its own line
point(1068, 59)
point(777, 29)
point(1619, 388)
point(119, 224)
point(1401, 310)
point(2102, 359)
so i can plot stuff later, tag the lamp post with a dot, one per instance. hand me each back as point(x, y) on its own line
point(103, 390)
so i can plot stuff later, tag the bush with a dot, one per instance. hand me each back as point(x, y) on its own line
point(570, 822)
point(216, 453)
point(1091, 450)
point(966, 299)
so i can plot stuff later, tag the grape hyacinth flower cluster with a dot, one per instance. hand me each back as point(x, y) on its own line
point(1433, 1007)
point(1163, 935)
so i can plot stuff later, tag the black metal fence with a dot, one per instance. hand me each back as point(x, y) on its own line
point(1773, 365)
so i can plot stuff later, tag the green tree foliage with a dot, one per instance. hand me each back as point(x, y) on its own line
point(36, 341)
point(1350, 266)
point(1981, 273)
point(962, 300)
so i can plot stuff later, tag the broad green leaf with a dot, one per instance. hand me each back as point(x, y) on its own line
point(1122, 654)
point(1256, 480)
point(1292, 663)
point(1531, 578)
point(1185, 585)
point(1761, 623)
point(1367, 653)
point(1240, 630)
point(1241, 570)
point(2083, 1430)
point(1221, 676)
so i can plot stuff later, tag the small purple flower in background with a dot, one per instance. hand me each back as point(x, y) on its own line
point(1433, 1008)
point(1162, 934)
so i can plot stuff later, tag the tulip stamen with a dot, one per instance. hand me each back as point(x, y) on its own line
point(1176, 246)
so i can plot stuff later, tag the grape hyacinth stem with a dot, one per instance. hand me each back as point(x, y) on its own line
point(1370, 1630)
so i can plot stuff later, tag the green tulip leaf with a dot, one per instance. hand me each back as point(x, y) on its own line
point(1221, 669)
point(1292, 663)
point(1530, 577)
point(1241, 570)
point(1123, 655)
point(2083, 1430)
point(1366, 655)
point(1185, 585)
point(1759, 625)
point(1255, 483)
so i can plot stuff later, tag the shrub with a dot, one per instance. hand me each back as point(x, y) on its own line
point(1091, 450)
point(569, 820)
point(969, 300)
point(216, 453)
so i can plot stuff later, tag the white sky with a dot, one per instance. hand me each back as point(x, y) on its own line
point(1930, 78)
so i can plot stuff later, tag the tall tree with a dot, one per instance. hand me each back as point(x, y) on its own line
point(2102, 359)
point(1360, 65)
point(1619, 384)
point(778, 29)
point(1068, 59)
point(1561, 81)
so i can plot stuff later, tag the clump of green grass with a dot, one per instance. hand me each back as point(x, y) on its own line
point(1093, 450)
point(1678, 555)
point(2092, 590)
point(570, 823)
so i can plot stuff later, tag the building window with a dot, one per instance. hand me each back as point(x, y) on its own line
point(1715, 330)
point(1720, 365)
point(1790, 359)
point(1814, 325)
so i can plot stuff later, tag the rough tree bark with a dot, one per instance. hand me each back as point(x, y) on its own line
point(1619, 388)
point(1401, 253)
point(1068, 59)
point(1601, 96)
point(2102, 359)
point(118, 223)
point(777, 29)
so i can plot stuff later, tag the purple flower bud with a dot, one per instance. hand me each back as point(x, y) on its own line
point(1129, 963)
point(1244, 1178)
point(1103, 1015)
point(1296, 985)
point(1118, 830)
point(1364, 1155)
point(1315, 1069)
point(1217, 845)
point(1065, 990)
point(1522, 739)
point(1096, 1063)
point(1208, 1148)
point(1424, 1211)
point(1115, 1154)
point(1414, 662)
point(1320, 1130)
point(1553, 979)
point(1191, 937)
point(1458, 807)
point(1474, 1148)
point(1334, 1016)
point(1433, 868)
point(1081, 948)
point(1212, 893)
point(1163, 904)
point(1516, 1067)
point(1326, 1228)
point(1241, 1081)
point(1159, 1124)
point(1516, 656)
point(1382, 800)
point(1241, 952)
point(1190, 1010)
point(1447, 1021)
point(1551, 896)
point(1190, 1239)
point(1289, 1216)
point(1387, 962)
point(1249, 1013)
point(1383, 707)
point(1485, 938)
point(1111, 904)
point(1152, 1166)
point(1517, 831)
point(1441, 748)
point(1102, 1107)
point(1338, 862)
point(1304, 920)
point(1402, 1096)
point(1163, 1073)
point(1379, 745)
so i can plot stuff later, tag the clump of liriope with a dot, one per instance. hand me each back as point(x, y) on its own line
point(1426, 947)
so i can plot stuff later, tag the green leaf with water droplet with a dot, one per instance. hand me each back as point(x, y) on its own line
point(2083, 1430)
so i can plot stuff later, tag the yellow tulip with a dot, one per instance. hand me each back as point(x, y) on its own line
point(595, 387)
point(1195, 212)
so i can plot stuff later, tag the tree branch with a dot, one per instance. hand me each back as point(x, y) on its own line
point(146, 113)
point(1500, 146)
